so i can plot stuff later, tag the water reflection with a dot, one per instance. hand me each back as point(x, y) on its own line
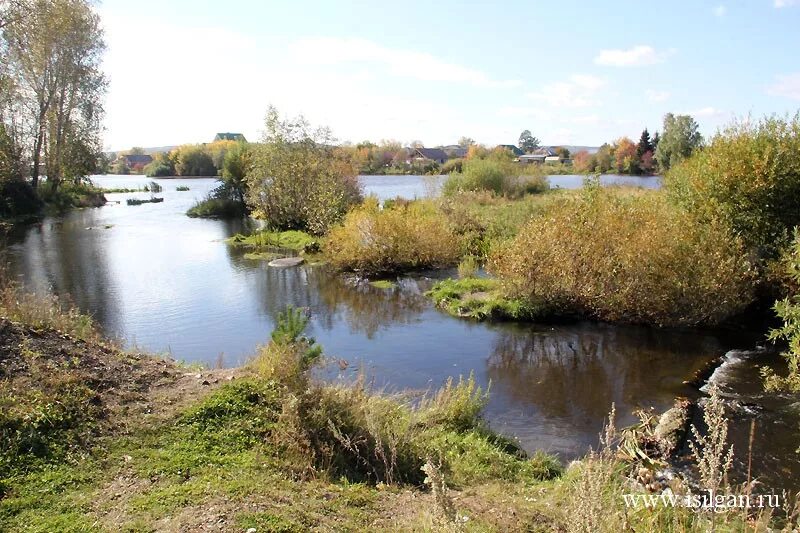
point(562, 380)
point(52, 260)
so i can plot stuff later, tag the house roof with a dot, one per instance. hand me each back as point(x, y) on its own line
point(455, 150)
point(230, 137)
point(545, 151)
point(138, 159)
point(514, 149)
point(432, 153)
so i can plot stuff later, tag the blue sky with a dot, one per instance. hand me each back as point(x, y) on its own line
point(571, 72)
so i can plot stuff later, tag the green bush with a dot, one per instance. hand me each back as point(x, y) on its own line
point(631, 257)
point(788, 310)
point(407, 237)
point(749, 175)
point(18, 199)
point(453, 165)
point(298, 180)
point(214, 207)
point(501, 177)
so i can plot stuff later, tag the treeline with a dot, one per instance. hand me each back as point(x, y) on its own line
point(186, 160)
point(51, 89)
point(651, 155)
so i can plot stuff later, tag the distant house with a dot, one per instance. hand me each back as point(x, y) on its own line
point(539, 156)
point(436, 155)
point(455, 151)
point(229, 137)
point(514, 149)
point(137, 161)
point(553, 159)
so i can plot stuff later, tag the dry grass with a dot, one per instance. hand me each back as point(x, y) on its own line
point(45, 311)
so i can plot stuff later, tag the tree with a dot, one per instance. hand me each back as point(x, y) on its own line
point(163, 164)
point(466, 142)
point(235, 167)
point(625, 161)
point(603, 159)
point(562, 152)
point(645, 145)
point(583, 162)
point(679, 140)
point(192, 160)
point(527, 142)
point(297, 180)
point(53, 53)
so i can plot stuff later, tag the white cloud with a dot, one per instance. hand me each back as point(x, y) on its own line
point(398, 62)
point(637, 56)
point(787, 85)
point(578, 91)
point(785, 3)
point(708, 112)
point(657, 96)
point(720, 10)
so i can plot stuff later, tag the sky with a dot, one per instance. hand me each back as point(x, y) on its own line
point(578, 73)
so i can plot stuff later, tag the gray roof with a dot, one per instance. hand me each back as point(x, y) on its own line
point(230, 137)
point(432, 153)
point(514, 149)
point(136, 159)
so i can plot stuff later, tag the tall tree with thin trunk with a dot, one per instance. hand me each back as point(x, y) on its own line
point(54, 51)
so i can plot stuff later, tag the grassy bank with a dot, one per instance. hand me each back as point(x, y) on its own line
point(20, 203)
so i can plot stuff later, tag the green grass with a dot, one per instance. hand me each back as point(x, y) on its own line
point(291, 239)
point(182, 188)
point(481, 299)
point(213, 207)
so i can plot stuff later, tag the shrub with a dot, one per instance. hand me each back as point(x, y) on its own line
point(788, 310)
point(374, 241)
point(628, 257)
point(18, 199)
point(192, 160)
point(297, 180)
point(750, 176)
point(501, 177)
point(214, 206)
point(453, 165)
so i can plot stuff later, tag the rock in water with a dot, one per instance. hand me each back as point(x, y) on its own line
point(673, 426)
point(286, 262)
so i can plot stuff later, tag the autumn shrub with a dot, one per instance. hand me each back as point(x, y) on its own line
point(298, 180)
point(749, 175)
point(631, 257)
point(407, 237)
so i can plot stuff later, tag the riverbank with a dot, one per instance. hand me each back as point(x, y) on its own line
point(97, 438)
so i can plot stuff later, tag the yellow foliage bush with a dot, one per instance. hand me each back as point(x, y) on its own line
point(405, 237)
point(627, 257)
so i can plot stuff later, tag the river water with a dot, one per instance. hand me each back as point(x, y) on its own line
point(168, 284)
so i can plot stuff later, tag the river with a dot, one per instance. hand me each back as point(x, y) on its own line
point(166, 283)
